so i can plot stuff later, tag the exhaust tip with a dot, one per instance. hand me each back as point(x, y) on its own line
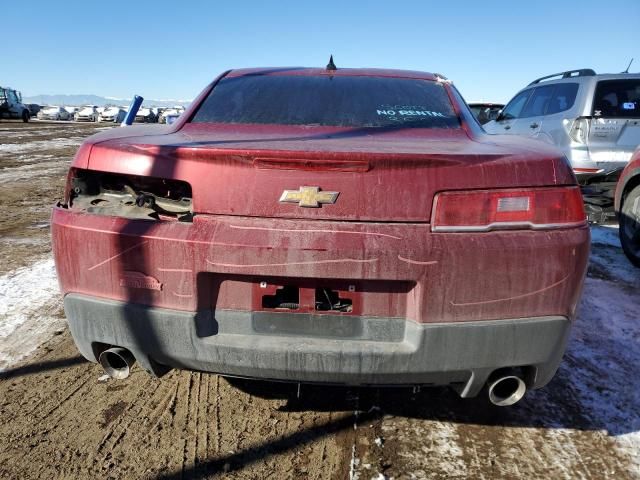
point(117, 362)
point(506, 390)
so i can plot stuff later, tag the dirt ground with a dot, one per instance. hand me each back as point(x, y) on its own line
point(61, 419)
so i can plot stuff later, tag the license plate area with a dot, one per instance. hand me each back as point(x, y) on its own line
point(307, 296)
point(282, 295)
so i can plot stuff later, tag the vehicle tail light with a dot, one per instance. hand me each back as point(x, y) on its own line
point(588, 170)
point(129, 196)
point(485, 210)
point(579, 130)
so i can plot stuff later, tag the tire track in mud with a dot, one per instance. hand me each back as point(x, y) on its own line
point(65, 422)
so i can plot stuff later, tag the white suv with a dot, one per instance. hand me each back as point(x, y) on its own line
point(594, 119)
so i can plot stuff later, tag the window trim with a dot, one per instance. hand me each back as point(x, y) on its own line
point(546, 109)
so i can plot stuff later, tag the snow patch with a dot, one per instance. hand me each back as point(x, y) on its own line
point(444, 448)
point(25, 172)
point(353, 464)
point(55, 143)
point(29, 301)
point(607, 254)
point(604, 350)
point(606, 235)
point(23, 240)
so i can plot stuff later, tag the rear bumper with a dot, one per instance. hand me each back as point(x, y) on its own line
point(353, 350)
point(587, 163)
point(427, 308)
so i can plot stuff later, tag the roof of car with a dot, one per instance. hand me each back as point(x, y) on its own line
point(345, 72)
point(582, 75)
point(617, 76)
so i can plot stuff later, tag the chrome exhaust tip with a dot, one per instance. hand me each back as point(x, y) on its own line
point(506, 390)
point(117, 362)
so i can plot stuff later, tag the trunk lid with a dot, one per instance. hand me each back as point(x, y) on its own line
point(613, 139)
point(381, 176)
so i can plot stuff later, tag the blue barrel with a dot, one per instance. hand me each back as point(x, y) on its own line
point(133, 109)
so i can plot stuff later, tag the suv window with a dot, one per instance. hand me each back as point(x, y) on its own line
point(514, 107)
point(344, 101)
point(564, 96)
point(537, 104)
point(617, 98)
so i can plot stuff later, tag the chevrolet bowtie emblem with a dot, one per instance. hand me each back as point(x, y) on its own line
point(309, 197)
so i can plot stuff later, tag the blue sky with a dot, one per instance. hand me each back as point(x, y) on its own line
point(172, 49)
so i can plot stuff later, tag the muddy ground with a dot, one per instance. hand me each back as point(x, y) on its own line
point(61, 419)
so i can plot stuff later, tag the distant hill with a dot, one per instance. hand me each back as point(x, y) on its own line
point(97, 100)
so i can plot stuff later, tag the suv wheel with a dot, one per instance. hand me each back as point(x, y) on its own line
point(630, 226)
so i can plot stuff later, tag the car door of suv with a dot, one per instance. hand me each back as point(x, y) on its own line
point(507, 121)
point(561, 109)
point(532, 115)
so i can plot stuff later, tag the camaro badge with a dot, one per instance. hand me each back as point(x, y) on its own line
point(131, 279)
point(309, 197)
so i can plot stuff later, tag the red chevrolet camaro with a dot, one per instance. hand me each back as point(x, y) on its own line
point(349, 226)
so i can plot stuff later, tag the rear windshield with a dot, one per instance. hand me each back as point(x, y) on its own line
point(617, 98)
point(342, 101)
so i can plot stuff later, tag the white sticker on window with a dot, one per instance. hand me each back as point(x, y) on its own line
point(629, 106)
point(404, 112)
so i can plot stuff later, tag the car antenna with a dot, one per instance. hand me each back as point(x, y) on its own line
point(331, 65)
point(627, 70)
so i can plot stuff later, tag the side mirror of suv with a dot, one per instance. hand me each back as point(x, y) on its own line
point(500, 116)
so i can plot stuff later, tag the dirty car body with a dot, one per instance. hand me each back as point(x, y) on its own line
point(352, 227)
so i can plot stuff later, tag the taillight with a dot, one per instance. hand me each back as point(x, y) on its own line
point(579, 130)
point(588, 170)
point(484, 210)
point(129, 196)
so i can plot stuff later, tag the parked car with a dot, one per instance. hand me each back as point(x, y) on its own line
point(627, 204)
point(594, 119)
point(170, 113)
point(350, 226)
point(53, 113)
point(145, 115)
point(72, 112)
point(112, 114)
point(485, 111)
point(88, 113)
